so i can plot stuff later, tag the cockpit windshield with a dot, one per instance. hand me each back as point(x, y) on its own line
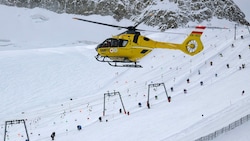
point(111, 42)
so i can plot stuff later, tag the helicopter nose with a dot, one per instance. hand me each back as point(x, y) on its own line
point(98, 46)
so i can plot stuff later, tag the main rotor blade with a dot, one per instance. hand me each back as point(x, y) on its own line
point(117, 26)
point(143, 20)
point(210, 27)
point(162, 32)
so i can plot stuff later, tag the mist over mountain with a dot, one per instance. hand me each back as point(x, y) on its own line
point(167, 13)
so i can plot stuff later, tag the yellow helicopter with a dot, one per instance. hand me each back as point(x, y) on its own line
point(127, 48)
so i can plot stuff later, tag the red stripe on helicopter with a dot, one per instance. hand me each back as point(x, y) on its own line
point(197, 32)
point(200, 27)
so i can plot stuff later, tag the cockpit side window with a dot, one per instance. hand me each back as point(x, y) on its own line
point(114, 43)
point(106, 43)
point(123, 43)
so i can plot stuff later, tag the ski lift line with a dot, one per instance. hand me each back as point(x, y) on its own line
point(157, 85)
point(72, 106)
point(112, 94)
point(55, 112)
point(45, 123)
point(15, 122)
point(58, 110)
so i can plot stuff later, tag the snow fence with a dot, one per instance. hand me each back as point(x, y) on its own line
point(223, 130)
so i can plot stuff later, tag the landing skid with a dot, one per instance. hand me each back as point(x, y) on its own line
point(118, 64)
point(122, 63)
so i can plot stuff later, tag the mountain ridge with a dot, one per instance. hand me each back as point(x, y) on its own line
point(167, 13)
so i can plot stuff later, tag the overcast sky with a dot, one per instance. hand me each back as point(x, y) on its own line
point(244, 6)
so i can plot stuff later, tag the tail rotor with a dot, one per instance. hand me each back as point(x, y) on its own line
point(193, 45)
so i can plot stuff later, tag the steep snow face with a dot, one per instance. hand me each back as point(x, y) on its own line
point(50, 78)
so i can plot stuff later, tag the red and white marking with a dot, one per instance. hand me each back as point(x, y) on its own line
point(199, 30)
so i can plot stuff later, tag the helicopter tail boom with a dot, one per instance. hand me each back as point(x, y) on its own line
point(192, 45)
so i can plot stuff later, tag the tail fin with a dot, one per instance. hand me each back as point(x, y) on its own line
point(193, 45)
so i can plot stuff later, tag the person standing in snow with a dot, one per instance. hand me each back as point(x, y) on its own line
point(211, 63)
point(79, 127)
point(239, 56)
point(100, 119)
point(201, 83)
point(148, 105)
point(243, 66)
point(243, 92)
point(139, 104)
point(172, 89)
point(185, 91)
point(53, 135)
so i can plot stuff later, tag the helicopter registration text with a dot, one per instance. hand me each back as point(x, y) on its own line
point(104, 50)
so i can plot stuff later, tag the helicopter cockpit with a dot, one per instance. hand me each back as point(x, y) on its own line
point(112, 42)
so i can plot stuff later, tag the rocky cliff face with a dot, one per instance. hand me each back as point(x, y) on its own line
point(167, 13)
point(196, 11)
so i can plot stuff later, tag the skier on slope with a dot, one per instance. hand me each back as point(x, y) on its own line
point(53, 135)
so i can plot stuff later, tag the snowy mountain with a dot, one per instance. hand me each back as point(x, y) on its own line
point(50, 78)
point(167, 13)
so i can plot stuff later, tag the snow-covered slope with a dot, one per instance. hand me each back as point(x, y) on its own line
point(49, 77)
